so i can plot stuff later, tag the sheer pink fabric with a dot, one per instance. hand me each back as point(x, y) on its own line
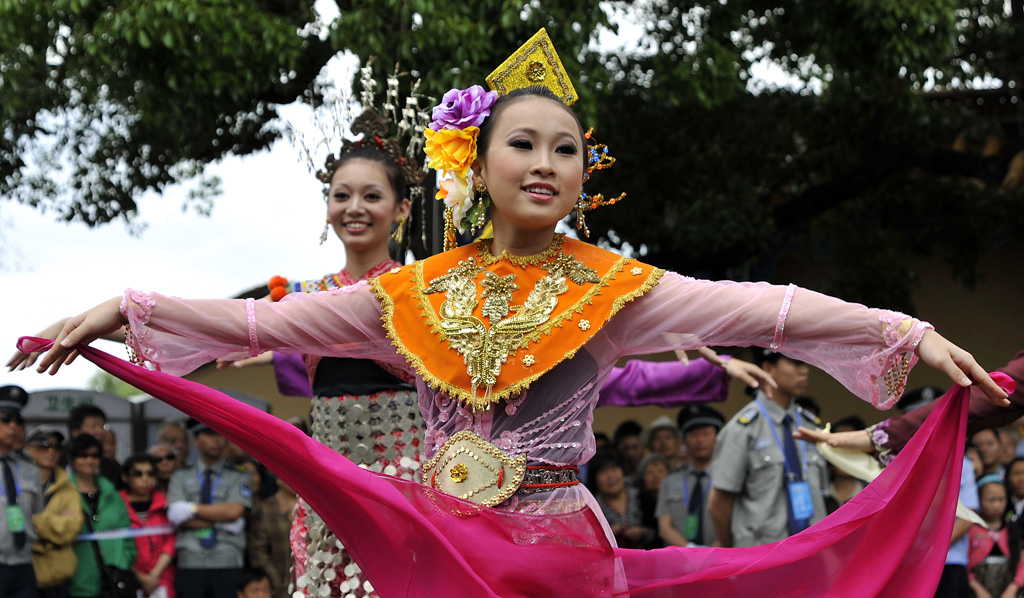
point(551, 422)
point(889, 540)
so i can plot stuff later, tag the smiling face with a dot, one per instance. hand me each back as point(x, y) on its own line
point(653, 474)
point(532, 166)
point(87, 462)
point(362, 205)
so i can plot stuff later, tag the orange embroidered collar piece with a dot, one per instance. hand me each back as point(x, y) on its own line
point(504, 321)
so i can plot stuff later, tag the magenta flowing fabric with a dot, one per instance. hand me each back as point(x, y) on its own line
point(888, 541)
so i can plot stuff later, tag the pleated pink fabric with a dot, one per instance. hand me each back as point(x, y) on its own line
point(889, 540)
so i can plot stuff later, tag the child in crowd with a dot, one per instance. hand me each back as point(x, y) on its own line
point(993, 560)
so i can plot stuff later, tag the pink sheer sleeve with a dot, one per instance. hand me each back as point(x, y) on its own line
point(870, 351)
point(179, 335)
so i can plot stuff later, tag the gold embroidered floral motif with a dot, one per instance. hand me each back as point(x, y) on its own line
point(466, 269)
point(584, 325)
point(498, 292)
point(433, 320)
point(637, 271)
point(571, 268)
point(485, 349)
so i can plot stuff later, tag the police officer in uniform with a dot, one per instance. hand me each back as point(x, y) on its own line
point(208, 503)
point(683, 518)
point(766, 486)
point(21, 495)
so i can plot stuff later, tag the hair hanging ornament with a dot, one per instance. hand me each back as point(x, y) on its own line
point(393, 129)
point(597, 159)
point(451, 139)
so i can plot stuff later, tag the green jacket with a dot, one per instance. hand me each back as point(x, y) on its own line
point(112, 514)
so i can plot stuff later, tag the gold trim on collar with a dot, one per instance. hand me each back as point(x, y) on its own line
point(485, 257)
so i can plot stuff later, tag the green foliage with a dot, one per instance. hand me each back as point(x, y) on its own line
point(103, 100)
point(104, 382)
point(851, 163)
point(852, 167)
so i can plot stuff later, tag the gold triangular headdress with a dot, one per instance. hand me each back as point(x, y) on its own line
point(534, 63)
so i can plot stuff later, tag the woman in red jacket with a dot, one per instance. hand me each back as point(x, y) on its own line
point(147, 508)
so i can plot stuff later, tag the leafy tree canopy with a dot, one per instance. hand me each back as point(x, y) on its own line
point(879, 148)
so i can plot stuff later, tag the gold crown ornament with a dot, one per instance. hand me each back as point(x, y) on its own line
point(534, 63)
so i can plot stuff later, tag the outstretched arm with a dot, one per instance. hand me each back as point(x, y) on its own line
point(869, 350)
point(892, 434)
point(179, 335)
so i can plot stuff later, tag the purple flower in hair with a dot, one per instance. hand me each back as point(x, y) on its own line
point(461, 108)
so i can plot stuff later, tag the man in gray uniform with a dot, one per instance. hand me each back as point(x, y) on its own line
point(765, 485)
point(21, 493)
point(208, 503)
point(683, 518)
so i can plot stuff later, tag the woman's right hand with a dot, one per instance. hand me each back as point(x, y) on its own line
point(857, 440)
point(22, 361)
point(99, 321)
point(266, 358)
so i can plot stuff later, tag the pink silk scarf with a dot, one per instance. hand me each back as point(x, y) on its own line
point(888, 541)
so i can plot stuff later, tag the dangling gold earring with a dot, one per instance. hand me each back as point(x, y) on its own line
point(480, 186)
point(323, 235)
point(581, 222)
point(399, 233)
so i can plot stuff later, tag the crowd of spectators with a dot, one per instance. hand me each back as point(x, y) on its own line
point(77, 523)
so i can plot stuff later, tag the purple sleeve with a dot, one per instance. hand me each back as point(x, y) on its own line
point(291, 376)
point(668, 384)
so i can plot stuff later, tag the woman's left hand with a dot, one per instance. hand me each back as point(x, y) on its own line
point(959, 365)
point(751, 375)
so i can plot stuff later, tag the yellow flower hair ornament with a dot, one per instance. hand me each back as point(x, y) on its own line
point(451, 147)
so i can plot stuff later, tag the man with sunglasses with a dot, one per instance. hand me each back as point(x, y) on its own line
point(167, 461)
point(21, 495)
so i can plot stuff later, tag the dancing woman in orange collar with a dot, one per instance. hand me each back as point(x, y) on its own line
point(510, 339)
